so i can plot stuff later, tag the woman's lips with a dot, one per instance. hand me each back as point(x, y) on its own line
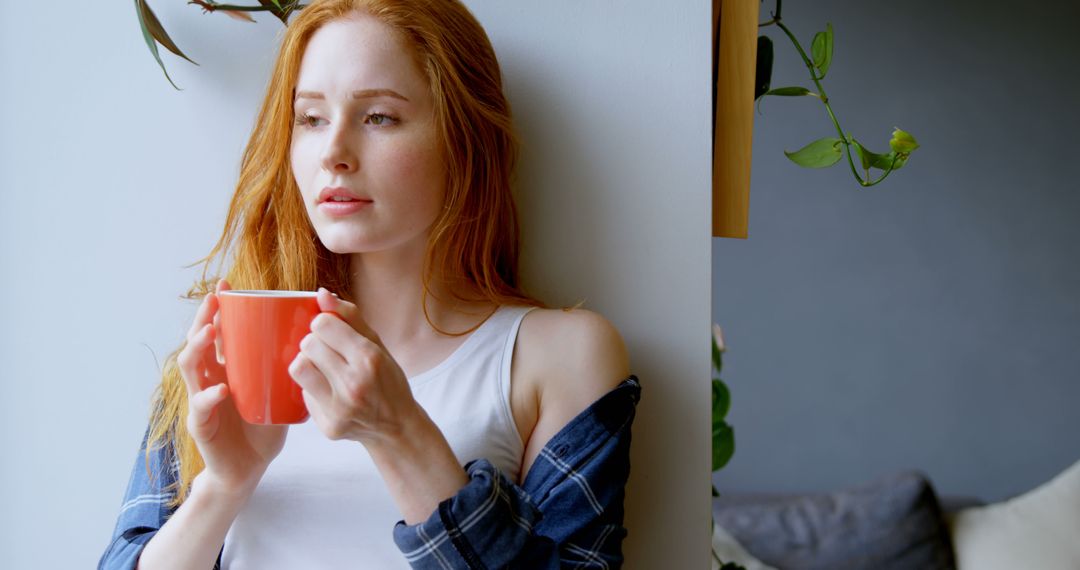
point(332, 208)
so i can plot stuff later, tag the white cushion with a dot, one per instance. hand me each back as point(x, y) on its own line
point(1039, 529)
point(727, 549)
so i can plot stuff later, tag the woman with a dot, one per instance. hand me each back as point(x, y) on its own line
point(456, 422)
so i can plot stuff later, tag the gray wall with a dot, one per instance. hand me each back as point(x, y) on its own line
point(930, 322)
point(111, 182)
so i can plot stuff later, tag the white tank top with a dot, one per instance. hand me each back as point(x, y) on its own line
point(323, 504)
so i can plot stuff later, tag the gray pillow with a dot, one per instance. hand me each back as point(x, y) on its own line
point(892, 523)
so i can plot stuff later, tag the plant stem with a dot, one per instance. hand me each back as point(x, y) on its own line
point(868, 184)
point(823, 96)
point(775, 15)
point(210, 6)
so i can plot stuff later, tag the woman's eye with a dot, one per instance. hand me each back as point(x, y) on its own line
point(380, 120)
point(375, 119)
point(305, 120)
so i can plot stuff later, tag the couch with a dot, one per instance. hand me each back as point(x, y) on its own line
point(898, 522)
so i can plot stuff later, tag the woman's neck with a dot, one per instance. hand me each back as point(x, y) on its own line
point(388, 290)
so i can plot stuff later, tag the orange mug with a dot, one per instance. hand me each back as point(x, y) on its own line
point(261, 332)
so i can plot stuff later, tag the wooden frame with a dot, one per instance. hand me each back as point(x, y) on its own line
point(735, 25)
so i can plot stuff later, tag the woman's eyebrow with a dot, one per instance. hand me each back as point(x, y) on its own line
point(361, 94)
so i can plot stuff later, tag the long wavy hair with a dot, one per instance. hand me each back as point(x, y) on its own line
point(473, 244)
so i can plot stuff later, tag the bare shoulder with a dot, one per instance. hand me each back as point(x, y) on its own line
point(577, 350)
point(564, 361)
point(568, 360)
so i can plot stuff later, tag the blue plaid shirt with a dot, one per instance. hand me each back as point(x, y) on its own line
point(568, 512)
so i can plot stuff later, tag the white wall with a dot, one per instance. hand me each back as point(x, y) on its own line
point(111, 181)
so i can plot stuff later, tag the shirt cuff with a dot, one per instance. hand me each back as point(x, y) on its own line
point(485, 525)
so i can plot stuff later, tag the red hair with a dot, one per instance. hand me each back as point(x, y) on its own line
point(473, 244)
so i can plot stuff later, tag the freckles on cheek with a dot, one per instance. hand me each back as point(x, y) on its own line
point(416, 164)
point(299, 154)
point(300, 160)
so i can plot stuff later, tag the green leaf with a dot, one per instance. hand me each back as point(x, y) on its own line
point(721, 400)
point(157, 31)
point(723, 445)
point(763, 72)
point(874, 160)
point(868, 158)
point(818, 154)
point(902, 142)
point(723, 435)
point(885, 161)
point(789, 91)
point(280, 12)
point(141, 9)
point(817, 49)
point(822, 49)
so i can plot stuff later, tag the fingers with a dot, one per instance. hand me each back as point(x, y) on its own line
point(307, 375)
point(342, 355)
point(342, 338)
point(201, 368)
point(348, 313)
point(314, 409)
point(334, 426)
point(202, 316)
point(192, 359)
point(321, 351)
point(219, 350)
point(213, 366)
point(202, 419)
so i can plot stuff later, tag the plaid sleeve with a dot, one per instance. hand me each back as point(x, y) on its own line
point(144, 508)
point(568, 513)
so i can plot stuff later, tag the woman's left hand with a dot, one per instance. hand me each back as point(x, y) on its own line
point(351, 385)
point(355, 390)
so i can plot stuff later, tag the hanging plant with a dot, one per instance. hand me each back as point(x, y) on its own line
point(154, 33)
point(827, 151)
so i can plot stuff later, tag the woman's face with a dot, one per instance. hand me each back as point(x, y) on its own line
point(364, 122)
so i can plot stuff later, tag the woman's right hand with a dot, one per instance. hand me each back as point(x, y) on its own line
point(236, 453)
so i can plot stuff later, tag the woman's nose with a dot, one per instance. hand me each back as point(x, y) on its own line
point(339, 156)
